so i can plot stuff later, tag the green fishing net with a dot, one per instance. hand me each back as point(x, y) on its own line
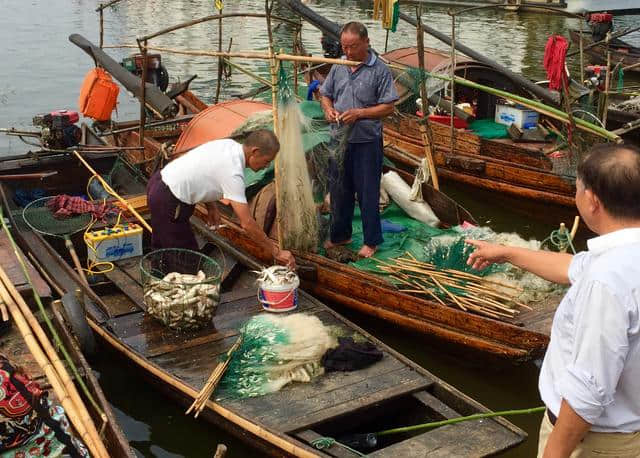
point(277, 350)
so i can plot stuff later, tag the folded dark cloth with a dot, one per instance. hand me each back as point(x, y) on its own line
point(350, 355)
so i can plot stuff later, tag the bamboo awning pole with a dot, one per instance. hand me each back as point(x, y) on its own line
point(211, 18)
point(537, 106)
point(111, 191)
point(452, 74)
point(245, 54)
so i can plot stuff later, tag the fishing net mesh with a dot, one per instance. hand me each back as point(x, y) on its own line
point(296, 207)
point(274, 351)
point(42, 219)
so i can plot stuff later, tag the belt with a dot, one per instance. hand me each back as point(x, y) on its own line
point(552, 418)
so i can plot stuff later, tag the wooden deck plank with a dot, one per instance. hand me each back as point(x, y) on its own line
point(435, 405)
point(13, 269)
point(349, 400)
point(472, 438)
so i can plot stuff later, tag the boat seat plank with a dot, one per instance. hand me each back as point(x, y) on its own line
point(13, 269)
point(471, 438)
point(309, 435)
point(119, 304)
point(435, 405)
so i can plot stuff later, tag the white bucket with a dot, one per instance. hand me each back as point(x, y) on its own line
point(279, 298)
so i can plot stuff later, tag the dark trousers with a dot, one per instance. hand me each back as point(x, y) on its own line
point(169, 217)
point(358, 174)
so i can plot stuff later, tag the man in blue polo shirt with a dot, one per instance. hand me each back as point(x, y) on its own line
point(354, 100)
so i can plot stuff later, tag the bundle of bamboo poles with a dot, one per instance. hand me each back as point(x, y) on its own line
point(52, 366)
point(467, 291)
point(207, 390)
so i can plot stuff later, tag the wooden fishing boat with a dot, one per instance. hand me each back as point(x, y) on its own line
point(520, 169)
point(391, 391)
point(622, 53)
point(520, 339)
point(15, 348)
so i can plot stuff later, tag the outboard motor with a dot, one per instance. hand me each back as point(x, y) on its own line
point(331, 47)
point(156, 73)
point(58, 129)
point(601, 24)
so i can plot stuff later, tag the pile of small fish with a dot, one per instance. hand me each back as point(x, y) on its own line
point(182, 301)
point(276, 276)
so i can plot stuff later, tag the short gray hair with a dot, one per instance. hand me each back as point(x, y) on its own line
point(265, 140)
point(357, 28)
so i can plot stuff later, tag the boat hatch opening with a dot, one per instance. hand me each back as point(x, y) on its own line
point(410, 409)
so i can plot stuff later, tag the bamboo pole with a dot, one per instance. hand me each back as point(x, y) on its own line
point(257, 430)
point(110, 190)
point(212, 382)
point(50, 373)
point(220, 59)
point(101, 25)
point(452, 74)
point(582, 24)
point(20, 310)
point(426, 136)
point(143, 93)
point(277, 168)
point(52, 330)
point(607, 83)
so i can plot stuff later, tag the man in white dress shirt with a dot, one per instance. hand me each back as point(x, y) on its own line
point(590, 377)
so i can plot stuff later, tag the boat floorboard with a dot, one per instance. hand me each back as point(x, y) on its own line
point(12, 268)
point(191, 358)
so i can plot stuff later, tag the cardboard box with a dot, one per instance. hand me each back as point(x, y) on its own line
point(520, 116)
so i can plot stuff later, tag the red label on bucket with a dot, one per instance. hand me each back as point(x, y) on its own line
point(278, 301)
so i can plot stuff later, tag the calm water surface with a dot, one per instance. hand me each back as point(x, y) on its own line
point(42, 71)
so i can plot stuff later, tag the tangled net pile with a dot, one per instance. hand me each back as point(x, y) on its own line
point(275, 351)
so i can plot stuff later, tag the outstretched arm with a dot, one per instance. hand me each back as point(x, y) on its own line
point(257, 234)
point(546, 264)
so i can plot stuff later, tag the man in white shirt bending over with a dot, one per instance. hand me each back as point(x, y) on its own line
point(590, 377)
point(206, 174)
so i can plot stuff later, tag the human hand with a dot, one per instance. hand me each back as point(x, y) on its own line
point(331, 114)
point(485, 254)
point(285, 257)
point(350, 116)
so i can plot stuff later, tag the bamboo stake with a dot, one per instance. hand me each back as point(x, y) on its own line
point(426, 136)
point(452, 74)
point(110, 190)
point(605, 108)
point(212, 382)
point(220, 59)
point(143, 93)
point(276, 128)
